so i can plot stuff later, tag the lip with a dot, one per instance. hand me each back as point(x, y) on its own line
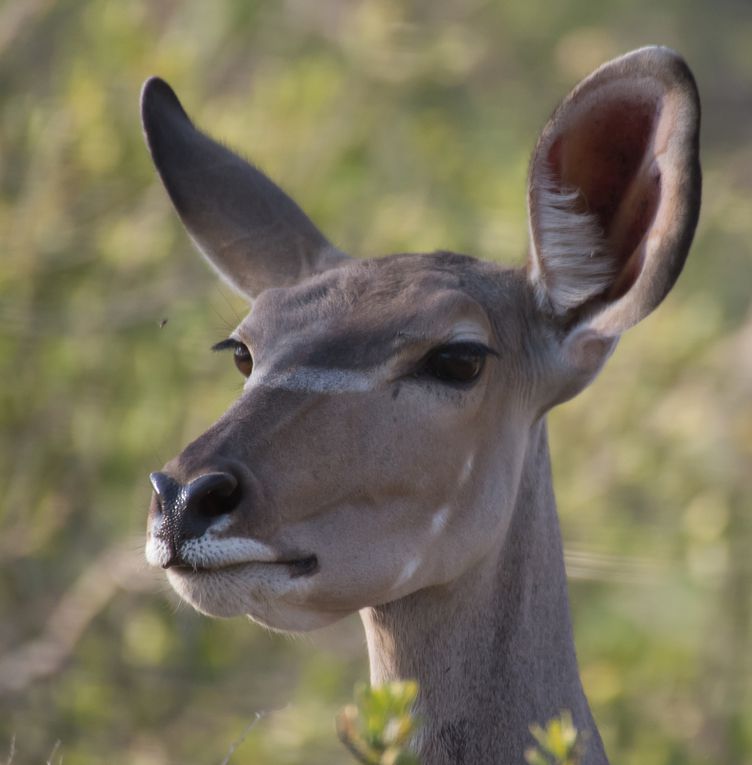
point(298, 567)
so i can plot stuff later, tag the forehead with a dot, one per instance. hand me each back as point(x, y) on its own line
point(364, 310)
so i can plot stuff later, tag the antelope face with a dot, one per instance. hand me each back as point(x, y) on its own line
point(378, 443)
point(352, 462)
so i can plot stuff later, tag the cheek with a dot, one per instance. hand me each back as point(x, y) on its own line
point(397, 495)
point(368, 553)
point(477, 509)
point(360, 446)
point(430, 434)
point(374, 552)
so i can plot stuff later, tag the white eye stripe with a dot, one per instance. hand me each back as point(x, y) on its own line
point(317, 380)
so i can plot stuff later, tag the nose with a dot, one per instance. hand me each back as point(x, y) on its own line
point(188, 510)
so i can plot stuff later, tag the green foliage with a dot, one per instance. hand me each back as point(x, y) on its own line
point(559, 743)
point(377, 729)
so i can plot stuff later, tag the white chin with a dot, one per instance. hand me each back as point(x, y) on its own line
point(264, 592)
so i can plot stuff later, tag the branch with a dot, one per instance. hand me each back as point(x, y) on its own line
point(118, 568)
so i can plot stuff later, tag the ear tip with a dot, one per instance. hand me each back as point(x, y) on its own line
point(657, 52)
point(158, 101)
point(663, 62)
point(153, 90)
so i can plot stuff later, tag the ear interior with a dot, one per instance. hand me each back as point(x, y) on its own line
point(606, 155)
point(615, 191)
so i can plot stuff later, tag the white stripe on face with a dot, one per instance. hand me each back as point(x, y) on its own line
point(407, 571)
point(467, 470)
point(316, 380)
point(439, 520)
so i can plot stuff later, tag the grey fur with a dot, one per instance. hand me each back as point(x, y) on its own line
point(428, 505)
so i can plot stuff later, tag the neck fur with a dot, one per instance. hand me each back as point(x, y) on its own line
point(493, 650)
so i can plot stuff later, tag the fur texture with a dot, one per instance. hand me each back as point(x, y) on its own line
point(573, 263)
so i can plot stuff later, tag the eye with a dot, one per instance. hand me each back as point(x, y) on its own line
point(456, 362)
point(240, 354)
point(243, 361)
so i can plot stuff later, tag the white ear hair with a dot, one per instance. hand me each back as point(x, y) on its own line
point(571, 242)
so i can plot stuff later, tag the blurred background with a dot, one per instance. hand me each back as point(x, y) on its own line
point(397, 126)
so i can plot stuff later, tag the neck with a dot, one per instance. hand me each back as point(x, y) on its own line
point(493, 650)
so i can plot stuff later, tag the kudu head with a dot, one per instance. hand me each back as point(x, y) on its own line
point(378, 443)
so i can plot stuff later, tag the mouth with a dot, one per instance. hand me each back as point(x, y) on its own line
point(297, 567)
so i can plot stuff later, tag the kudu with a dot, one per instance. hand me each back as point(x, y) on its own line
point(388, 453)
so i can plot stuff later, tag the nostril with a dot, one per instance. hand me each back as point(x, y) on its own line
point(212, 494)
point(185, 511)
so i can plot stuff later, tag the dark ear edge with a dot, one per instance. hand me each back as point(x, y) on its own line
point(250, 231)
point(614, 193)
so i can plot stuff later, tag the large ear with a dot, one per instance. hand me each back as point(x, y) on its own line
point(248, 228)
point(613, 198)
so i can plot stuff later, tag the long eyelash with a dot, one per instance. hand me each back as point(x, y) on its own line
point(226, 345)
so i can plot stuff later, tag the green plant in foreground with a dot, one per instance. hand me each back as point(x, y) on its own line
point(377, 728)
point(559, 743)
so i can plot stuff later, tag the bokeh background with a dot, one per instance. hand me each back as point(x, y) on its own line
point(398, 126)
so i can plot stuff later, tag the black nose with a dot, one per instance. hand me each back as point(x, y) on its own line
point(190, 509)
